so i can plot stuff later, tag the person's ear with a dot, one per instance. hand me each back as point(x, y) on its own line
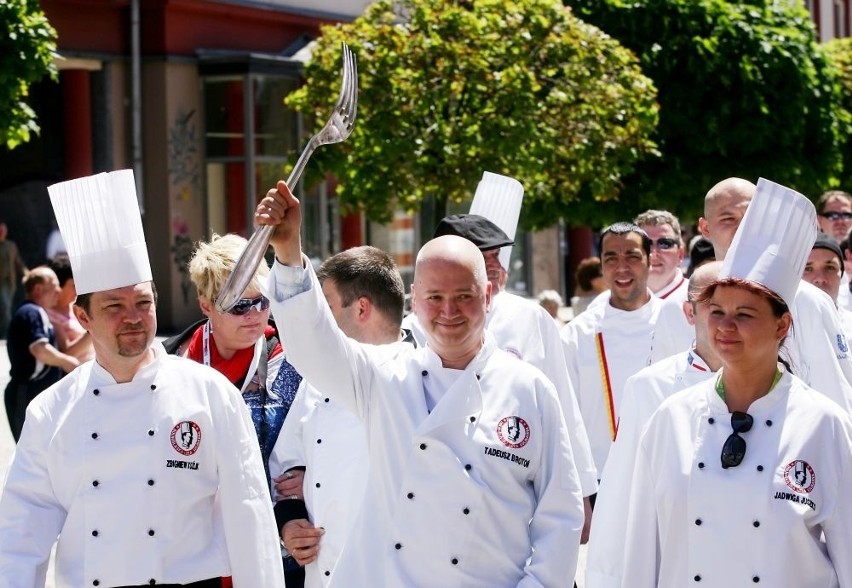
point(689, 312)
point(206, 306)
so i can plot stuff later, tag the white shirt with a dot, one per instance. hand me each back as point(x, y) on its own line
point(330, 440)
point(643, 394)
point(107, 468)
point(524, 329)
point(626, 339)
point(676, 287)
point(780, 518)
point(479, 492)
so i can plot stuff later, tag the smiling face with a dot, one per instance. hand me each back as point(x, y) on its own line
point(451, 297)
point(743, 329)
point(625, 270)
point(122, 322)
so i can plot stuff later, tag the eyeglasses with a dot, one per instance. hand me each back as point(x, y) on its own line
point(244, 305)
point(664, 243)
point(833, 216)
point(733, 451)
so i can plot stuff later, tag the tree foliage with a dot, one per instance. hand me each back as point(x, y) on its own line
point(840, 54)
point(27, 44)
point(744, 90)
point(449, 89)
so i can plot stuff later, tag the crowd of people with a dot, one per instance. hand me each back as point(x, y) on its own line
point(690, 422)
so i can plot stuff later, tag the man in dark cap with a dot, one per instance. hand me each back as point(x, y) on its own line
point(524, 329)
point(824, 270)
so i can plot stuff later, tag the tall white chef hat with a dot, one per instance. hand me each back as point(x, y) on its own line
point(498, 198)
point(99, 219)
point(774, 239)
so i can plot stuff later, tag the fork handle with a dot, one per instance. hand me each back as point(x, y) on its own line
point(249, 260)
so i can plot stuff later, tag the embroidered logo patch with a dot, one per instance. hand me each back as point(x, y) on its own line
point(186, 437)
point(800, 477)
point(513, 432)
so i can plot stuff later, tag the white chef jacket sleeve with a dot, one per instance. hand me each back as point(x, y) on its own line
point(555, 368)
point(605, 556)
point(246, 507)
point(642, 541)
point(819, 353)
point(31, 516)
point(289, 451)
point(837, 528)
point(672, 332)
point(333, 364)
point(558, 517)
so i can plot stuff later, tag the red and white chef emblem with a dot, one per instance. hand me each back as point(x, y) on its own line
point(513, 431)
point(800, 477)
point(186, 437)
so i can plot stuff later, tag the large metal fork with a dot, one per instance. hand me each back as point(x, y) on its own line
point(336, 129)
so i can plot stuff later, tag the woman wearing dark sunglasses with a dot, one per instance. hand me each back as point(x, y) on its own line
point(745, 479)
point(242, 344)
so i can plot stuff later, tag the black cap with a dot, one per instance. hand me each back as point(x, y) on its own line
point(701, 251)
point(823, 241)
point(477, 229)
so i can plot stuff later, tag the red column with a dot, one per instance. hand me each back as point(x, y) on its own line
point(77, 103)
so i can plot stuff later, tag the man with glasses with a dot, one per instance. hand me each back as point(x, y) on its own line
point(835, 214)
point(611, 340)
point(665, 278)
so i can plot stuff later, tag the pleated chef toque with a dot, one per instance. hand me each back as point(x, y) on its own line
point(498, 198)
point(98, 216)
point(774, 239)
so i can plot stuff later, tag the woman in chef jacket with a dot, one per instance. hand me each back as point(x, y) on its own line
point(745, 479)
point(242, 344)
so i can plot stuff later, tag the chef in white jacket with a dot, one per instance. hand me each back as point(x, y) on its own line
point(611, 340)
point(144, 465)
point(366, 295)
point(743, 479)
point(816, 350)
point(643, 394)
point(524, 329)
point(471, 480)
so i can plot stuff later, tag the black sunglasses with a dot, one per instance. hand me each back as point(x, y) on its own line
point(733, 451)
point(244, 305)
point(833, 216)
point(664, 243)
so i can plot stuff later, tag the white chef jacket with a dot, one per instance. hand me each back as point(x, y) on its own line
point(524, 329)
point(105, 467)
point(455, 498)
point(643, 394)
point(676, 287)
point(627, 343)
point(817, 349)
point(780, 518)
point(672, 334)
point(330, 440)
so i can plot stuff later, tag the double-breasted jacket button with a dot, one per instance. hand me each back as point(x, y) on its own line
point(466, 511)
point(756, 524)
point(150, 432)
point(410, 495)
point(153, 387)
point(398, 546)
point(96, 392)
point(467, 466)
point(424, 373)
point(319, 441)
point(94, 435)
point(95, 483)
point(327, 573)
point(150, 532)
point(317, 484)
point(95, 533)
point(768, 424)
point(760, 468)
point(473, 419)
point(328, 399)
point(711, 420)
point(150, 482)
point(697, 578)
point(96, 582)
point(152, 581)
point(454, 561)
point(698, 522)
point(700, 465)
point(756, 579)
point(478, 376)
point(423, 446)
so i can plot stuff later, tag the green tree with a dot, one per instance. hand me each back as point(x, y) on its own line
point(28, 45)
point(449, 89)
point(744, 90)
point(840, 54)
